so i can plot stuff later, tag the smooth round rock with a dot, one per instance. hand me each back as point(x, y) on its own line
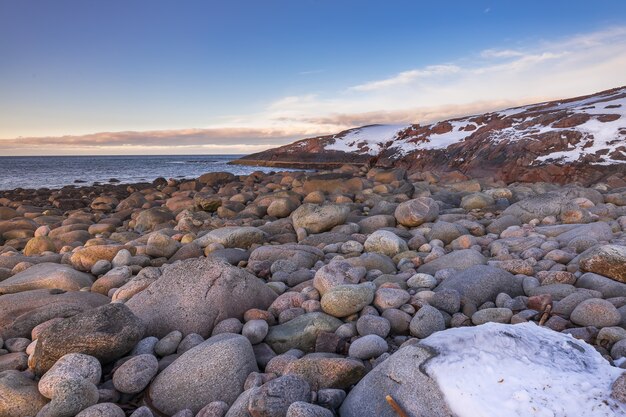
point(596, 312)
point(135, 374)
point(368, 347)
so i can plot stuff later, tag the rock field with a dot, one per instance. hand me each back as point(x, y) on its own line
point(300, 294)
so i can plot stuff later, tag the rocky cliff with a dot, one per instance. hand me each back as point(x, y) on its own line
point(579, 139)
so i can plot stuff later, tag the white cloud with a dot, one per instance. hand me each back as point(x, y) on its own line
point(407, 77)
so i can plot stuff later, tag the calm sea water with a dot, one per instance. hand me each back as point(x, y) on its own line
point(58, 171)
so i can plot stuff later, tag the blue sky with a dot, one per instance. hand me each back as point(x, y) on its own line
point(239, 76)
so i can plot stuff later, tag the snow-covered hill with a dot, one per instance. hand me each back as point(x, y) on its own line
point(586, 133)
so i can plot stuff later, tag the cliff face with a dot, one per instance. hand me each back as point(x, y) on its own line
point(579, 139)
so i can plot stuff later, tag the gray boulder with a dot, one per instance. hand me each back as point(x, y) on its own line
point(301, 332)
point(317, 219)
point(232, 237)
point(481, 283)
point(215, 370)
point(192, 296)
point(460, 259)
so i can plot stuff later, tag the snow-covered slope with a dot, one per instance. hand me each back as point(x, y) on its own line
point(599, 119)
point(579, 139)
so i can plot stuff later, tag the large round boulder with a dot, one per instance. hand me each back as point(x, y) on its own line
point(105, 332)
point(193, 295)
point(215, 370)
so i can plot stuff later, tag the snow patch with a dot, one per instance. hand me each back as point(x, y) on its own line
point(521, 370)
point(371, 136)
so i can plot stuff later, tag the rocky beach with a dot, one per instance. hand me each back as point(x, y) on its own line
point(361, 291)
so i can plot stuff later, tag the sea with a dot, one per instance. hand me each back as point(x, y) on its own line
point(58, 171)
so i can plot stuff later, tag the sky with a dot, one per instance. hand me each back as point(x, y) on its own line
point(169, 77)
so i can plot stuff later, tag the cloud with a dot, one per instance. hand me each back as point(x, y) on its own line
point(219, 140)
point(407, 77)
point(500, 53)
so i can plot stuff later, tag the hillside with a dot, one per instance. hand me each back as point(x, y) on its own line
point(578, 139)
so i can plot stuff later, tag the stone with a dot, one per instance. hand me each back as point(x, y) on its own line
point(336, 273)
point(161, 246)
point(149, 219)
point(214, 409)
point(304, 409)
point(496, 315)
point(17, 361)
point(596, 312)
point(215, 370)
point(19, 395)
point(233, 237)
point(368, 347)
point(300, 332)
point(317, 219)
point(302, 256)
point(476, 201)
point(446, 232)
point(607, 286)
point(273, 398)
point(255, 331)
point(537, 207)
point(327, 372)
point(461, 259)
point(426, 321)
point(21, 312)
point(200, 293)
point(415, 212)
point(369, 324)
point(385, 242)
point(607, 260)
point(481, 283)
point(70, 396)
point(102, 410)
point(213, 179)
point(343, 300)
point(168, 344)
point(105, 332)
point(134, 375)
point(402, 377)
point(85, 258)
point(38, 245)
point(390, 298)
point(46, 275)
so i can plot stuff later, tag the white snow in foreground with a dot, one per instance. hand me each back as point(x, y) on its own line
point(372, 136)
point(523, 370)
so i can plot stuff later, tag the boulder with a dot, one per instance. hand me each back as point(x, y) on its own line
point(301, 332)
point(193, 295)
point(233, 237)
point(105, 332)
point(46, 275)
point(481, 283)
point(85, 258)
point(302, 256)
point(215, 370)
point(19, 395)
point(317, 219)
point(385, 242)
point(607, 260)
point(415, 212)
point(21, 312)
point(459, 259)
point(327, 371)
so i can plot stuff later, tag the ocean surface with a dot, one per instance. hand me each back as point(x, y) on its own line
point(59, 171)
